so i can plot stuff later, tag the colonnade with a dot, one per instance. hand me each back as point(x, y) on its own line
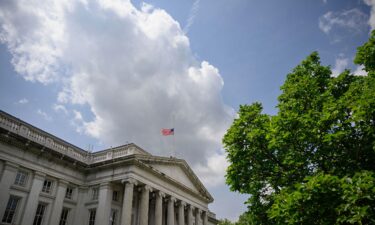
point(195, 215)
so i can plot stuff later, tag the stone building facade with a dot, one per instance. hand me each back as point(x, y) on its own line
point(47, 181)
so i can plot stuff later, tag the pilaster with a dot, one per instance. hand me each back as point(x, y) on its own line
point(33, 198)
point(58, 203)
point(7, 179)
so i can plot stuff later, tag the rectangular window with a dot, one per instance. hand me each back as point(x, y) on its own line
point(38, 219)
point(10, 210)
point(47, 186)
point(115, 196)
point(113, 218)
point(92, 216)
point(21, 178)
point(64, 216)
point(69, 192)
point(95, 193)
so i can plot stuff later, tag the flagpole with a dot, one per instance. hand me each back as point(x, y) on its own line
point(174, 142)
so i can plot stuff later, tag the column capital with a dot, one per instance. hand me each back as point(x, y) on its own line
point(183, 203)
point(160, 193)
point(172, 199)
point(147, 188)
point(129, 180)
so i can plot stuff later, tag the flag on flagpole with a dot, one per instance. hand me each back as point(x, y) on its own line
point(166, 132)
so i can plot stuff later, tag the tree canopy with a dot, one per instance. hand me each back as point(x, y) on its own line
point(314, 161)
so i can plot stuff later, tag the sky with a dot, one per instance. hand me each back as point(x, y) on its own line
point(104, 73)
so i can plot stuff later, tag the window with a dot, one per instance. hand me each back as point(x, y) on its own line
point(69, 193)
point(95, 193)
point(92, 216)
point(64, 216)
point(21, 178)
point(115, 196)
point(113, 218)
point(38, 219)
point(10, 210)
point(47, 186)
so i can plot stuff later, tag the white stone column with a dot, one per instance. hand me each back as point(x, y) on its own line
point(58, 204)
point(7, 179)
point(197, 217)
point(181, 213)
point(205, 218)
point(159, 208)
point(33, 199)
point(170, 219)
point(190, 215)
point(144, 205)
point(104, 205)
point(80, 212)
point(127, 203)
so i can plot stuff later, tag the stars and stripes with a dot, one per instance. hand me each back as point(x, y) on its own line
point(166, 132)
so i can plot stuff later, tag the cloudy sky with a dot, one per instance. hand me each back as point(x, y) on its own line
point(103, 73)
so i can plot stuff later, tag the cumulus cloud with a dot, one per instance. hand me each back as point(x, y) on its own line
point(340, 65)
point(353, 20)
point(133, 68)
point(371, 20)
point(359, 71)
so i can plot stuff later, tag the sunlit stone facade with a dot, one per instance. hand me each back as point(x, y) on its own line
point(47, 181)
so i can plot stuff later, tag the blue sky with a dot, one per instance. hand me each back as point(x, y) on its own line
point(103, 73)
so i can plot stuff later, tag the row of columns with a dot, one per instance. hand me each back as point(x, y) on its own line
point(104, 203)
point(144, 208)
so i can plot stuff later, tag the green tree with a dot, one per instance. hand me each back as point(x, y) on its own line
point(322, 135)
point(225, 222)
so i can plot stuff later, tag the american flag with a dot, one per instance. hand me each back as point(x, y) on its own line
point(166, 132)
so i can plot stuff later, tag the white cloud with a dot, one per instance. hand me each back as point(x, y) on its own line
point(340, 65)
point(371, 20)
point(44, 115)
point(359, 71)
point(60, 108)
point(192, 14)
point(133, 68)
point(212, 173)
point(23, 101)
point(353, 20)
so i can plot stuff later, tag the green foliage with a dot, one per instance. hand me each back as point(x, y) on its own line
point(225, 222)
point(327, 199)
point(296, 164)
point(366, 55)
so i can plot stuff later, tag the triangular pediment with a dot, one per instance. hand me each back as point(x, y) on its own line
point(178, 171)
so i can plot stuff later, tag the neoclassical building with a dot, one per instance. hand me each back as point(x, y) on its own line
point(47, 181)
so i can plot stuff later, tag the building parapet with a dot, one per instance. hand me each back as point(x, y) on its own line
point(33, 134)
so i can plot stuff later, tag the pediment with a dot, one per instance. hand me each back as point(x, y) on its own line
point(178, 171)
